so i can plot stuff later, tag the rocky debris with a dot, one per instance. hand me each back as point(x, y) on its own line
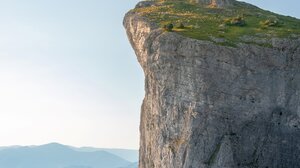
point(212, 106)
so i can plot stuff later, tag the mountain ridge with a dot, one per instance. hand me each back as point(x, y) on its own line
point(127, 154)
point(56, 155)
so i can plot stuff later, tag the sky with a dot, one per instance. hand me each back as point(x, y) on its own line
point(68, 73)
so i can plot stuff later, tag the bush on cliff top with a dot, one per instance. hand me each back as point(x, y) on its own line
point(204, 22)
point(169, 27)
point(236, 21)
point(270, 23)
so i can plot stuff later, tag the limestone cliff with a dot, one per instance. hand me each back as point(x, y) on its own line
point(214, 106)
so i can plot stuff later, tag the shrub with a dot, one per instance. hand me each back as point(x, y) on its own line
point(270, 23)
point(169, 27)
point(236, 21)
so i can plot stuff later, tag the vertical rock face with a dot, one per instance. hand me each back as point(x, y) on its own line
point(211, 106)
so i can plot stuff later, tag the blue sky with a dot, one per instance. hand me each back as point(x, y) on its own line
point(69, 75)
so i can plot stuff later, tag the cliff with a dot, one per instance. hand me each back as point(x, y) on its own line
point(211, 104)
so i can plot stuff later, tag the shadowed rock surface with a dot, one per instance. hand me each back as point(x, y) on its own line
point(212, 106)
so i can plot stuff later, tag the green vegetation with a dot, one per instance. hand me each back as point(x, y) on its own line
point(169, 27)
point(236, 21)
point(230, 24)
point(270, 23)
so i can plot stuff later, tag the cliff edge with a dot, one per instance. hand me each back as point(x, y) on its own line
point(211, 104)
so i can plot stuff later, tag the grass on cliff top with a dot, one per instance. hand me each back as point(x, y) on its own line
point(208, 23)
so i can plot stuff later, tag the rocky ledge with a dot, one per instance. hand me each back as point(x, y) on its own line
point(213, 106)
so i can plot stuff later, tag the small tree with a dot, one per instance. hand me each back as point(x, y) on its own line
point(169, 27)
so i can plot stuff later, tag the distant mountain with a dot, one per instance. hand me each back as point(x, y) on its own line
point(133, 165)
point(127, 154)
point(5, 147)
point(55, 155)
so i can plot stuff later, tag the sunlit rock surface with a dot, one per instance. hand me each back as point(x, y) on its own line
point(212, 106)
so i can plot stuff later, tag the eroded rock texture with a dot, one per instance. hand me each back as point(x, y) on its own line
point(211, 106)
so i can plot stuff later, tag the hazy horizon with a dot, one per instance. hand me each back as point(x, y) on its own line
point(69, 75)
point(33, 145)
point(56, 155)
